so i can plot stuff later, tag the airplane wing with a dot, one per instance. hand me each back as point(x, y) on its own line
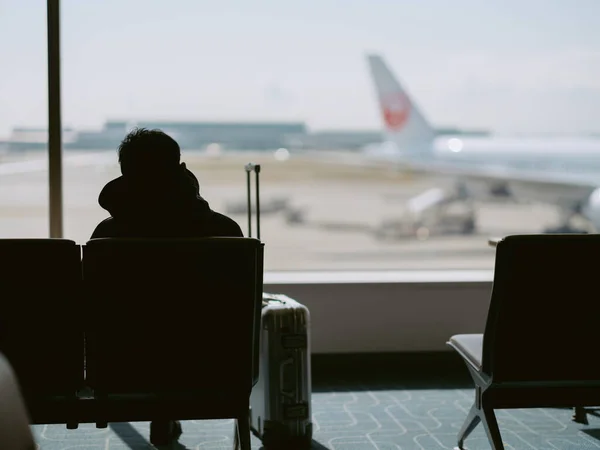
point(562, 189)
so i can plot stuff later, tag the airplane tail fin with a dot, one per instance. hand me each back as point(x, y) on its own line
point(404, 123)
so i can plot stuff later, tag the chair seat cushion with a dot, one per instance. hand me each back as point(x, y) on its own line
point(469, 346)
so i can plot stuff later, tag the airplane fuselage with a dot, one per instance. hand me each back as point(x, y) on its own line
point(560, 155)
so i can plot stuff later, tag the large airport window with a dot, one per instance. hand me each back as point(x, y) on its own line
point(23, 120)
point(392, 135)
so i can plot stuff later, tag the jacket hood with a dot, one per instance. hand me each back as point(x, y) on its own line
point(179, 196)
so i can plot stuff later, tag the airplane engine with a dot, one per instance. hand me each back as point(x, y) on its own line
point(500, 190)
point(485, 190)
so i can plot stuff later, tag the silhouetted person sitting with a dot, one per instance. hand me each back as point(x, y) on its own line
point(157, 197)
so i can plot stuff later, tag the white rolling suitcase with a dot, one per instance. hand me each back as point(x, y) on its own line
point(280, 404)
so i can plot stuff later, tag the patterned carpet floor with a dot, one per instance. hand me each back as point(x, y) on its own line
point(367, 404)
point(384, 420)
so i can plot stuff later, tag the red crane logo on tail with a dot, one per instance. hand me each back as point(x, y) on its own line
point(396, 109)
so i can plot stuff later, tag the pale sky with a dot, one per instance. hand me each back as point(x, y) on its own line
point(511, 66)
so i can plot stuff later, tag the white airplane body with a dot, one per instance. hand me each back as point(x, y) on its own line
point(561, 171)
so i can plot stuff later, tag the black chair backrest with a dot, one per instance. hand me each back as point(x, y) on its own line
point(41, 331)
point(172, 315)
point(544, 309)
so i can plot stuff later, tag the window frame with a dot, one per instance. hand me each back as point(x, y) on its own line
point(55, 178)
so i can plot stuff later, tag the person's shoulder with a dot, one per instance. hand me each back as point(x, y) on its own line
point(106, 228)
point(223, 225)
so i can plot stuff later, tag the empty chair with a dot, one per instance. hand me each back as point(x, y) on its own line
point(540, 340)
point(15, 433)
point(173, 328)
point(41, 324)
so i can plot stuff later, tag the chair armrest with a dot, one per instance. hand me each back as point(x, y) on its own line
point(469, 347)
point(493, 242)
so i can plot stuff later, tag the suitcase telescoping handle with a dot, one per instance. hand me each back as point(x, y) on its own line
point(251, 167)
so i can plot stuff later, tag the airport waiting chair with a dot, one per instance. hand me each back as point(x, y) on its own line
point(173, 328)
point(15, 433)
point(539, 344)
point(40, 324)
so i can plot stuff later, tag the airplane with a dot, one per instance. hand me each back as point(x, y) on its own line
point(561, 172)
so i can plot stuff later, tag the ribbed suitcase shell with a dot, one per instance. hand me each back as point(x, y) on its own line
point(280, 403)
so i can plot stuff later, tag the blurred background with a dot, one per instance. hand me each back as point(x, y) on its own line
point(288, 85)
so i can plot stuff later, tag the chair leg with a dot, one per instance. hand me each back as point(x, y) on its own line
point(241, 436)
point(580, 415)
point(491, 428)
point(236, 435)
point(470, 424)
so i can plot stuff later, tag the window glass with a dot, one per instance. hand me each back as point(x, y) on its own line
point(357, 172)
point(23, 119)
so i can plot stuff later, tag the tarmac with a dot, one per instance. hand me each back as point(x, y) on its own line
point(316, 214)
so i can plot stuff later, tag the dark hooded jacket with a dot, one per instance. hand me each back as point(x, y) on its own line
point(161, 209)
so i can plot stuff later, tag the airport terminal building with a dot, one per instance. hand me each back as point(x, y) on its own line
point(189, 135)
point(198, 135)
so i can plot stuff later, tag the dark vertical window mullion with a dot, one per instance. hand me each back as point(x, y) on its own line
point(54, 121)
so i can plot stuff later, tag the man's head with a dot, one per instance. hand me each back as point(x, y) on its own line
point(148, 154)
